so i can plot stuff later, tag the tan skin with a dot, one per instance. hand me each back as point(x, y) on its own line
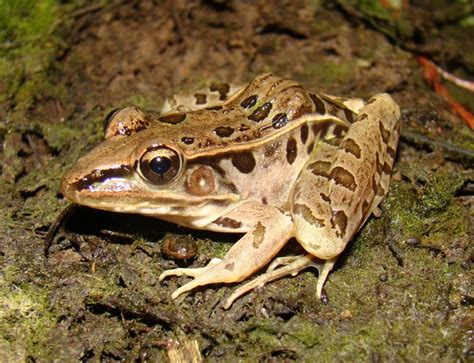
point(270, 160)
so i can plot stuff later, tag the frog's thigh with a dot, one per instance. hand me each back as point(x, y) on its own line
point(270, 232)
point(313, 218)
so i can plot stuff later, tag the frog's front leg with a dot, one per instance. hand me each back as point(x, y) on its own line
point(270, 231)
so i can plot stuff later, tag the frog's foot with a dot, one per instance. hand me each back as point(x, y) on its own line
point(292, 265)
point(191, 272)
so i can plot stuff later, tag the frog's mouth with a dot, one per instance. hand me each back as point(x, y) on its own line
point(121, 189)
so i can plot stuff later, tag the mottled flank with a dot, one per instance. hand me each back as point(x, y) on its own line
point(222, 88)
point(258, 235)
point(187, 140)
point(174, 118)
point(304, 133)
point(291, 150)
point(261, 112)
point(318, 103)
point(305, 212)
point(340, 220)
point(280, 120)
point(244, 162)
point(249, 102)
point(224, 131)
point(351, 147)
point(201, 98)
point(343, 177)
point(320, 168)
point(228, 222)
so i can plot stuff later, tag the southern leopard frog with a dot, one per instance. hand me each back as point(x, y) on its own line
point(270, 160)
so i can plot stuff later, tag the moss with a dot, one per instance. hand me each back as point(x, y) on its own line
point(27, 50)
point(25, 321)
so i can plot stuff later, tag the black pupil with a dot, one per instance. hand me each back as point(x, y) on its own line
point(160, 165)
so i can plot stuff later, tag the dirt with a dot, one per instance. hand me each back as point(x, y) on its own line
point(401, 291)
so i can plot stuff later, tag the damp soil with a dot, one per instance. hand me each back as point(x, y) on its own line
point(88, 290)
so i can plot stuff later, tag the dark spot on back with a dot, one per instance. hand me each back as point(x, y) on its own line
point(187, 140)
point(230, 266)
point(349, 115)
point(280, 120)
point(343, 177)
point(320, 168)
point(339, 130)
point(244, 162)
point(201, 98)
point(291, 150)
point(174, 118)
point(351, 147)
point(224, 131)
point(222, 88)
point(261, 113)
point(310, 147)
point(249, 102)
point(318, 103)
point(304, 133)
point(214, 108)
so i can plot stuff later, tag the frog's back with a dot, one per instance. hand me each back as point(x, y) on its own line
point(266, 106)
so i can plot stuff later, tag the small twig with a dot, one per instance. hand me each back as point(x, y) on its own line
point(452, 152)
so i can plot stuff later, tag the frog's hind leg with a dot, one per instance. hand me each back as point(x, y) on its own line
point(213, 95)
point(254, 250)
point(292, 265)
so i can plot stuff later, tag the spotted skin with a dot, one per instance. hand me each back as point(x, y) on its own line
point(270, 160)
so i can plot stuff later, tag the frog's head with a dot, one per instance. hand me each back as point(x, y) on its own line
point(140, 168)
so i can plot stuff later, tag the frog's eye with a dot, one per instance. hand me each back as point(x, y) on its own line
point(160, 165)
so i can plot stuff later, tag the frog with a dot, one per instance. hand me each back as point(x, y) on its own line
point(271, 161)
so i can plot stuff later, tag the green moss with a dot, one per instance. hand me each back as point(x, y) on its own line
point(27, 49)
point(25, 321)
